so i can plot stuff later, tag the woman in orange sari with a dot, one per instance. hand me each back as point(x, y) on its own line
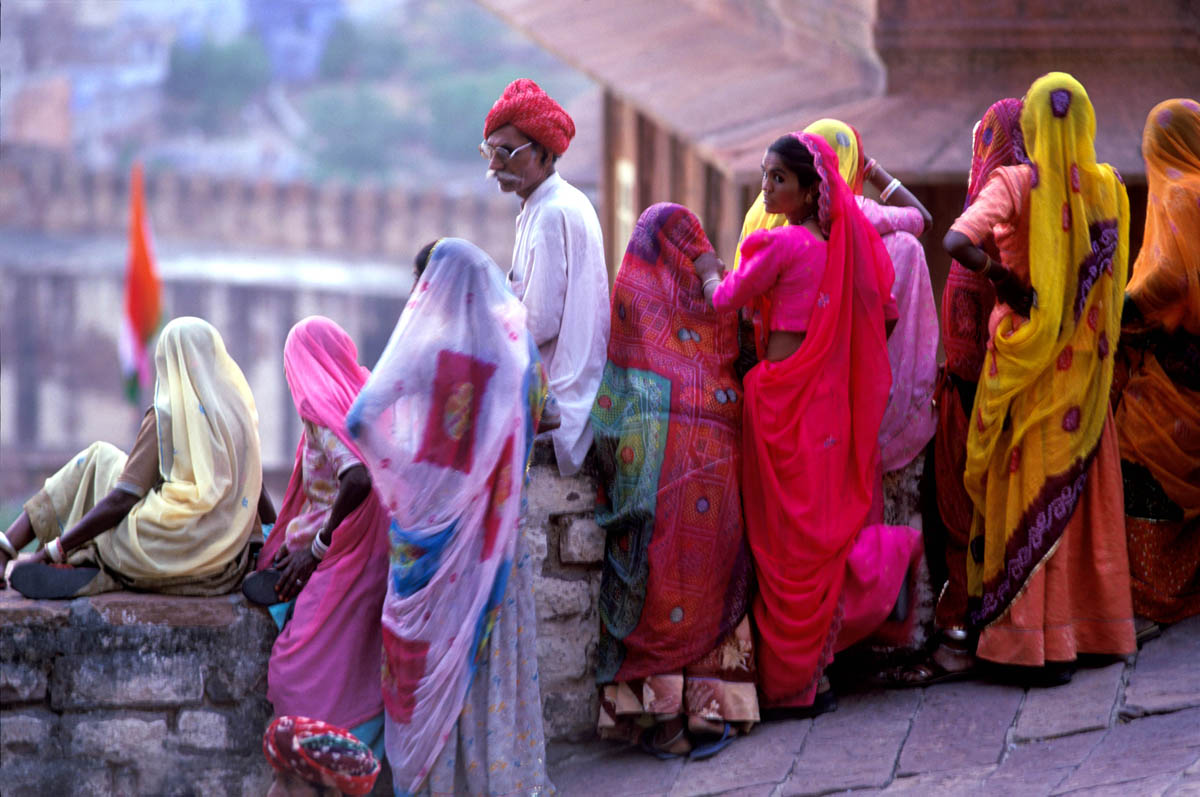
point(1047, 571)
point(1158, 414)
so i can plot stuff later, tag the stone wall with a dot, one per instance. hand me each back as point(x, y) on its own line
point(44, 191)
point(148, 694)
point(567, 548)
point(133, 694)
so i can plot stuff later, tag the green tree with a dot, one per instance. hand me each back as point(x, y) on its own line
point(215, 81)
point(357, 135)
point(355, 52)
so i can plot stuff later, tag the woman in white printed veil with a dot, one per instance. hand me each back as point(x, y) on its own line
point(445, 424)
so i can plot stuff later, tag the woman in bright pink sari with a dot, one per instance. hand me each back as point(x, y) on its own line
point(325, 662)
point(828, 576)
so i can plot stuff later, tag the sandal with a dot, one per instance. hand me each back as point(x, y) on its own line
point(660, 749)
point(927, 672)
point(260, 587)
point(42, 581)
point(710, 749)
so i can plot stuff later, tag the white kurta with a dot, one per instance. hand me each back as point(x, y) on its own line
point(558, 273)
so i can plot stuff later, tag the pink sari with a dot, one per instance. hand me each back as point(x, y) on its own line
point(811, 460)
point(325, 662)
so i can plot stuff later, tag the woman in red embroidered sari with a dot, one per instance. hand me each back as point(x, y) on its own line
point(827, 574)
point(675, 644)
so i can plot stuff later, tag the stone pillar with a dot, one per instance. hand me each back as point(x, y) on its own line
point(567, 548)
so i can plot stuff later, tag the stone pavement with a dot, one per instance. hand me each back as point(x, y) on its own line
point(1128, 728)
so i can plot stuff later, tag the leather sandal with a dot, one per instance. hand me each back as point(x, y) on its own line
point(928, 671)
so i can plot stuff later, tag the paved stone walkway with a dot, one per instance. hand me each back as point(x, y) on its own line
point(1121, 729)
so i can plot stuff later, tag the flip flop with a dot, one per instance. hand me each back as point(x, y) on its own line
point(710, 749)
point(260, 587)
point(42, 581)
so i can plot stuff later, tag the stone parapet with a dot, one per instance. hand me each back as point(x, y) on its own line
point(133, 694)
point(44, 191)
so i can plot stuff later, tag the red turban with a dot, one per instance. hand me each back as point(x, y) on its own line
point(525, 106)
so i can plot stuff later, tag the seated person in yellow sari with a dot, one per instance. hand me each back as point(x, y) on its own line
point(176, 515)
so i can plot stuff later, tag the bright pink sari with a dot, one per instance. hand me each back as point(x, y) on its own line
point(811, 460)
point(325, 663)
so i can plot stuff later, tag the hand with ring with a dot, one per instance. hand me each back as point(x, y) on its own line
point(295, 568)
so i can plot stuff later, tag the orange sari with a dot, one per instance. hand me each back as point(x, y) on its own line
point(1158, 415)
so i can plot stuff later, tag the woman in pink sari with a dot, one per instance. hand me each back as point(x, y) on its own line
point(328, 548)
point(828, 573)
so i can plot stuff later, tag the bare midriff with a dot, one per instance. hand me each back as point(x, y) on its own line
point(783, 344)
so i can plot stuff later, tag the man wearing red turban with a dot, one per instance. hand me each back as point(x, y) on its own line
point(558, 269)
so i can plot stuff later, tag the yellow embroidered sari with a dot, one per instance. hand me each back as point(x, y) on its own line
point(1043, 394)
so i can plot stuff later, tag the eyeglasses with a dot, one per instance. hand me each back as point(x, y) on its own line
point(505, 154)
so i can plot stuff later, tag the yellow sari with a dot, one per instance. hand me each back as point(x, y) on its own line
point(201, 517)
point(1043, 394)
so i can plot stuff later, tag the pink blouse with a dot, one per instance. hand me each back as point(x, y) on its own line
point(787, 262)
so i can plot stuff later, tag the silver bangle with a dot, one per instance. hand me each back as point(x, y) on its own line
point(710, 279)
point(7, 547)
point(319, 549)
point(887, 192)
point(54, 550)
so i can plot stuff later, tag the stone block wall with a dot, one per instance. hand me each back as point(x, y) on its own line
point(567, 548)
point(128, 694)
point(133, 694)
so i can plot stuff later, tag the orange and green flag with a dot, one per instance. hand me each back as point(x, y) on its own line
point(143, 296)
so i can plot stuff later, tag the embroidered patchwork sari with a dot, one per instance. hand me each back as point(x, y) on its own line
point(668, 421)
point(445, 424)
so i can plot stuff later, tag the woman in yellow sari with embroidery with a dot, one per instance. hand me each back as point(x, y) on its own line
point(1047, 569)
point(1158, 417)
